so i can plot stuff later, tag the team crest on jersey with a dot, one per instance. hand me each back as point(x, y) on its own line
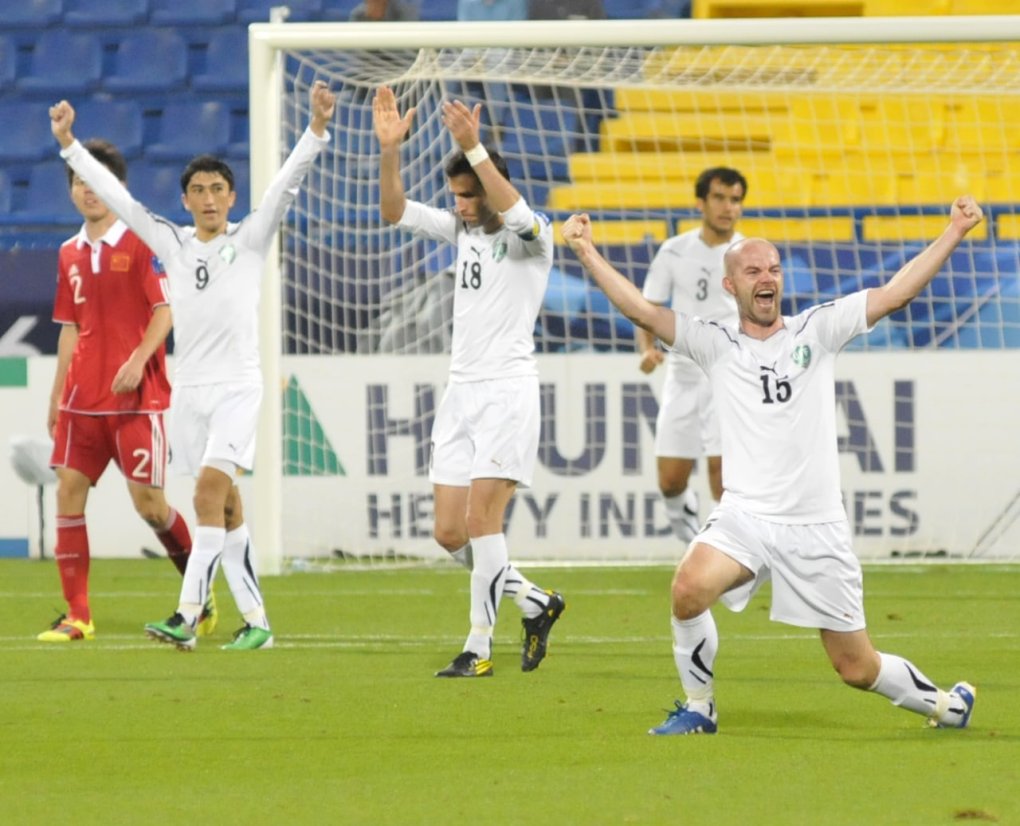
point(499, 250)
point(120, 262)
point(802, 355)
point(228, 253)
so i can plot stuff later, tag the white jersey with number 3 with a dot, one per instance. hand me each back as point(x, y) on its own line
point(688, 273)
point(777, 411)
point(214, 285)
point(500, 281)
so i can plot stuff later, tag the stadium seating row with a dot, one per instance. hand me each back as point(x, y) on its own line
point(68, 63)
point(95, 13)
point(212, 126)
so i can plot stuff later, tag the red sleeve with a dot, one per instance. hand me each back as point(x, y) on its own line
point(155, 283)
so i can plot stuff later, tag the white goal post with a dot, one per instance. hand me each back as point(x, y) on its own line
point(854, 134)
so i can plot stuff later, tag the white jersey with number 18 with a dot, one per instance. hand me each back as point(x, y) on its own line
point(777, 408)
point(500, 281)
point(214, 285)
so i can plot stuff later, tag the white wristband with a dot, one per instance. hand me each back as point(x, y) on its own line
point(476, 155)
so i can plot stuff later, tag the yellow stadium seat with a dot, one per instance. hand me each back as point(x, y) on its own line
point(669, 131)
point(777, 8)
point(915, 124)
point(659, 166)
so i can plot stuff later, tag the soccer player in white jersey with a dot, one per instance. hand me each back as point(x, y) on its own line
point(687, 273)
point(214, 270)
point(485, 434)
point(781, 514)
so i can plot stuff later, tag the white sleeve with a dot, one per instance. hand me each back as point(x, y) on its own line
point(429, 222)
point(701, 341)
point(262, 223)
point(836, 322)
point(658, 286)
point(163, 237)
point(534, 228)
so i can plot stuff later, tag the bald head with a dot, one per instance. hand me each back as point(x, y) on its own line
point(744, 249)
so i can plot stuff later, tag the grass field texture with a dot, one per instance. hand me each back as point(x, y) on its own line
point(343, 723)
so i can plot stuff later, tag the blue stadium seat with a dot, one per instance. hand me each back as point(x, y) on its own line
point(226, 68)
point(8, 62)
point(242, 185)
point(158, 187)
point(149, 60)
point(189, 128)
point(48, 200)
point(35, 14)
point(192, 12)
point(6, 196)
point(119, 122)
point(96, 13)
point(63, 64)
point(439, 10)
point(26, 135)
point(257, 11)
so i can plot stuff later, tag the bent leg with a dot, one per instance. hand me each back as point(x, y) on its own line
point(169, 526)
point(903, 683)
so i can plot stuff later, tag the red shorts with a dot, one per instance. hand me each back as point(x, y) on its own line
point(135, 441)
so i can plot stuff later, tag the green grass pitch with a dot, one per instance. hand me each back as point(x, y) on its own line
point(343, 722)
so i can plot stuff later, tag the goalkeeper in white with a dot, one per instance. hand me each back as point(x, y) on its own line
point(781, 516)
point(485, 434)
point(214, 270)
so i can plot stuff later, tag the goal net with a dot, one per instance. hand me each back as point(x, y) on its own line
point(853, 151)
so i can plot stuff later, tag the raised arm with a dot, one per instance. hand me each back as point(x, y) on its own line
point(390, 128)
point(626, 297)
point(261, 225)
point(918, 272)
point(159, 235)
point(465, 126)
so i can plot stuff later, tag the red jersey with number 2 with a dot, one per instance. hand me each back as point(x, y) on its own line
point(109, 290)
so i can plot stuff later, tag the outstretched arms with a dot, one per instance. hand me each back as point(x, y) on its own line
point(390, 128)
point(918, 272)
point(658, 320)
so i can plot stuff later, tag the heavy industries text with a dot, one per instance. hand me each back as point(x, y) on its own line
point(632, 508)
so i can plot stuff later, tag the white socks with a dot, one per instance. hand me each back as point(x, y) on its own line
point(682, 511)
point(487, 580)
point(206, 549)
point(695, 645)
point(239, 569)
point(531, 599)
point(904, 685)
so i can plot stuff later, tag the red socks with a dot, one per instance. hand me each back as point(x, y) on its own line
point(176, 538)
point(72, 555)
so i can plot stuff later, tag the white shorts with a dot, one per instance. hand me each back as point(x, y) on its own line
point(816, 577)
point(687, 427)
point(486, 430)
point(213, 423)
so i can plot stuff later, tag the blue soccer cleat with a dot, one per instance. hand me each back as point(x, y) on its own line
point(684, 721)
point(961, 704)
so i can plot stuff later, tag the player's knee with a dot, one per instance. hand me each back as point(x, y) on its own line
point(671, 487)
point(855, 672)
point(450, 537)
point(690, 599)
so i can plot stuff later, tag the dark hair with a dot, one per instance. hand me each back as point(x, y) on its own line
point(108, 155)
point(728, 176)
point(460, 165)
point(206, 163)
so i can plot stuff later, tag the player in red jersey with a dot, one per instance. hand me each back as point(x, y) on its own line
point(110, 389)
